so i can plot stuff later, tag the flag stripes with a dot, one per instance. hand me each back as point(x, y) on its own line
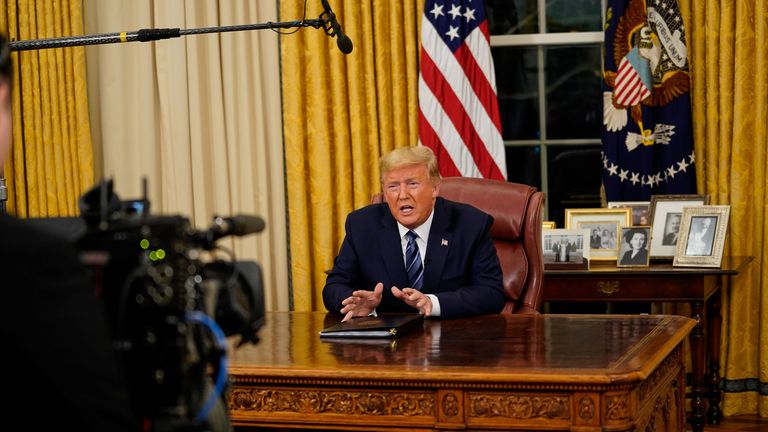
point(459, 114)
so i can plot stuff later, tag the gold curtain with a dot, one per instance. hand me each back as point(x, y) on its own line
point(52, 157)
point(340, 113)
point(729, 59)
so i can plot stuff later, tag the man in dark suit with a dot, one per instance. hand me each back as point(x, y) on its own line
point(60, 372)
point(433, 255)
point(673, 229)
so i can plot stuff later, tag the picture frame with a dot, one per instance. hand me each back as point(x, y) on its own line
point(666, 217)
point(640, 210)
point(703, 230)
point(603, 225)
point(634, 250)
point(565, 248)
point(548, 225)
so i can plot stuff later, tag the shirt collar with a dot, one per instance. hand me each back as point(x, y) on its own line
point(422, 230)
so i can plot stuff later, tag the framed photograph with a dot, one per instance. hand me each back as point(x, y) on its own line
point(640, 213)
point(634, 251)
point(548, 225)
point(702, 236)
point(603, 226)
point(565, 248)
point(666, 215)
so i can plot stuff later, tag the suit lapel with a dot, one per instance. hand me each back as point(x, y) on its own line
point(392, 250)
point(438, 247)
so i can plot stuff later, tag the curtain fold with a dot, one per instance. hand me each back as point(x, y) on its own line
point(342, 113)
point(52, 157)
point(730, 115)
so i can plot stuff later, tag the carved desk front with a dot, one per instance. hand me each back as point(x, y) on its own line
point(497, 372)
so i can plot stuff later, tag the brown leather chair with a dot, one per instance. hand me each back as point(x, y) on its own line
point(516, 232)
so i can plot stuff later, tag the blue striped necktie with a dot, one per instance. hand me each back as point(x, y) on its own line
point(413, 265)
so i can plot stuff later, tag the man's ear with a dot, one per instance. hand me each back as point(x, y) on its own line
point(436, 187)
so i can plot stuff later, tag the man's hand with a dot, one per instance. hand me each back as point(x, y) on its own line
point(415, 299)
point(362, 302)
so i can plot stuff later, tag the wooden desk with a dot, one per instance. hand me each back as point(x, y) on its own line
point(582, 373)
point(663, 283)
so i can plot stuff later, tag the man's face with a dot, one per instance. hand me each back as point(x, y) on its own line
point(674, 224)
point(410, 194)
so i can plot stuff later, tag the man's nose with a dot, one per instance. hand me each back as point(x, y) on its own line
point(402, 192)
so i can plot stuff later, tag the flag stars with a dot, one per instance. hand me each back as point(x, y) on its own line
point(635, 179)
point(682, 165)
point(613, 168)
point(469, 14)
point(437, 11)
point(453, 32)
point(455, 11)
point(623, 175)
point(671, 171)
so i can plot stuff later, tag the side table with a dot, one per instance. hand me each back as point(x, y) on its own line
point(660, 282)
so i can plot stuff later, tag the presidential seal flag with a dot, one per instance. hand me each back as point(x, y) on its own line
point(458, 109)
point(647, 135)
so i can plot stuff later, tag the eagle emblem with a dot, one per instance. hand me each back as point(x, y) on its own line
point(649, 49)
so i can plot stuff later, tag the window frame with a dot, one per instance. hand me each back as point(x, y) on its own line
point(540, 41)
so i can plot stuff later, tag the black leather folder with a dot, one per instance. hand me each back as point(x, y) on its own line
point(382, 326)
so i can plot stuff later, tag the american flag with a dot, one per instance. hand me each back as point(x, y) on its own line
point(633, 80)
point(458, 110)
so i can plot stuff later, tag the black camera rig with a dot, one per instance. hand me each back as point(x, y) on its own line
point(170, 310)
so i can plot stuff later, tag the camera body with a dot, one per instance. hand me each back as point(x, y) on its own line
point(169, 309)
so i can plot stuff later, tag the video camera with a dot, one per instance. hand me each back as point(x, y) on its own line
point(169, 309)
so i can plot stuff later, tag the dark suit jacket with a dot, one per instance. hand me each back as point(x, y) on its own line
point(60, 371)
point(669, 239)
point(640, 258)
point(461, 266)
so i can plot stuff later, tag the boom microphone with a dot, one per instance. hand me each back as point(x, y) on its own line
point(342, 40)
point(239, 226)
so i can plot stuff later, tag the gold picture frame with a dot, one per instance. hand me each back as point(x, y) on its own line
point(548, 225)
point(666, 217)
point(603, 225)
point(703, 230)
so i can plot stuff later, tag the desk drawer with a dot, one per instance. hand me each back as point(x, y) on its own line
point(615, 287)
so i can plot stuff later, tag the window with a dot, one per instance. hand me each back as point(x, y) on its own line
point(547, 55)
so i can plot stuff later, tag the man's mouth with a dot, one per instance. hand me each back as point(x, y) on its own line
point(406, 209)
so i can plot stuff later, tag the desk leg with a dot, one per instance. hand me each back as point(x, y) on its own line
point(698, 390)
point(714, 321)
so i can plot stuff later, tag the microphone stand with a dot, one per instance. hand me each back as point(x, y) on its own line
point(148, 35)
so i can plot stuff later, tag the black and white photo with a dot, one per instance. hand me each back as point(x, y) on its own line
point(634, 247)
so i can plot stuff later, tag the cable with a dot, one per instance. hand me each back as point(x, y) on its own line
point(303, 18)
point(221, 377)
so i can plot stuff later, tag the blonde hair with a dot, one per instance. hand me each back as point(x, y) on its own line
point(404, 156)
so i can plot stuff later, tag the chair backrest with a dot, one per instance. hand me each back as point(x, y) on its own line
point(516, 233)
